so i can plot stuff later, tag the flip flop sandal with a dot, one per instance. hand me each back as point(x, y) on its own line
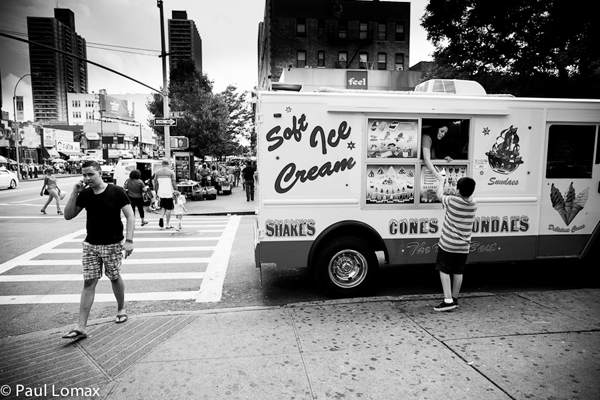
point(120, 318)
point(169, 227)
point(43, 211)
point(77, 335)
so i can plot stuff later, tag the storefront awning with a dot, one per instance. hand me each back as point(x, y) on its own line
point(50, 152)
point(70, 153)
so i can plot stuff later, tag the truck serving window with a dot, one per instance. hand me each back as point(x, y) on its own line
point(570, 151)
point(455, 142)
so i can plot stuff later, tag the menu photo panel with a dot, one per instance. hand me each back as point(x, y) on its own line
point(390, 184)
point(429, 183)
point(392, 138)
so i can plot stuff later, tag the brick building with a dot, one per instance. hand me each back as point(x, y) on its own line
point(332, 34)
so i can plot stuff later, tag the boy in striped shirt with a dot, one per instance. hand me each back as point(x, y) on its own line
point(453, 247)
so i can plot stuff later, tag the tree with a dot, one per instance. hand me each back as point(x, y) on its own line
point(240, 127)
point(536, 47)
point(205, 114)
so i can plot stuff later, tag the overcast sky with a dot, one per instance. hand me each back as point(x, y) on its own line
point(228, 29)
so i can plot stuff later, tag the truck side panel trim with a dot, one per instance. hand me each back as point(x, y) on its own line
point(286, 254)
point(294, 254)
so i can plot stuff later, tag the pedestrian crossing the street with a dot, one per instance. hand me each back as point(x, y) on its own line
point(165, 265)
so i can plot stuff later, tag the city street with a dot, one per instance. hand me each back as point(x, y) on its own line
point(207, 265)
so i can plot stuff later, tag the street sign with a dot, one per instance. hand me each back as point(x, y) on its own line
point(177, 114)
point(165, 122)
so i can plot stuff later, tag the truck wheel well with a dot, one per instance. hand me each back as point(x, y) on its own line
point(348, 228)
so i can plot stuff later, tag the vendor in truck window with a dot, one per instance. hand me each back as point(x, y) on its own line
point(435, 146)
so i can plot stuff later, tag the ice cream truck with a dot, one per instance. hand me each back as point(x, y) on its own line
point(344, 187)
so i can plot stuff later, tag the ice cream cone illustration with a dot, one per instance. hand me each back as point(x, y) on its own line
point(578, 204)
point(558, 202)
point(569, 199)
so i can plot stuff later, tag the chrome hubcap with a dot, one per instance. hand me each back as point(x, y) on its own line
point(348, 269)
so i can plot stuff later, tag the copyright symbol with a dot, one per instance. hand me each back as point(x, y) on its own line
point(5, 390)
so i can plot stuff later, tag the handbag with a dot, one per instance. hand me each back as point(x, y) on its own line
point(46, 193)
point(61, 194)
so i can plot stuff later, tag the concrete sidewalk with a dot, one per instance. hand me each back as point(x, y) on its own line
point(526, 345)
point(510, 346)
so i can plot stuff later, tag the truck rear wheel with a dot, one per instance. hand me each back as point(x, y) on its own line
point(346, 267)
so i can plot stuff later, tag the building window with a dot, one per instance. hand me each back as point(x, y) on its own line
point(89, 104)
point(399, 65)
point(301, 27)
point(400, 32)
point(321, 58)
point(342, 59)
point(382, 61)
point(76, 103)
point(343, 29)
point(363, 59)
point(320, 27)
point(364, 30)
point(89, 115)
point(301, 59)
point(382, 31)
point(76, 114)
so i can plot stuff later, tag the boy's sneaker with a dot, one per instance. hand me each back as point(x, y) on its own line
point(445, 306)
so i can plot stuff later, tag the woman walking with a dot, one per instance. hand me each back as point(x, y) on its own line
point(134, 186)
point(52, 189)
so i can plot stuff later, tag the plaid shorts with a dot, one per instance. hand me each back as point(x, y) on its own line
point(96, 255)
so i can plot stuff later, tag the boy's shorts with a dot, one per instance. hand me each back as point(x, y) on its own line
point(450, 263)
point(167, 203)
point(97, 255)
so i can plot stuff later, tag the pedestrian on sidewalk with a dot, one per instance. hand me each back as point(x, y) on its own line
point(103, 244)
point(135, 188)
point(204, 173)
point(179, 207)
point(236, 174)
point(455, 241)
point(165, 185)
point(248, 174)
point(50, 188)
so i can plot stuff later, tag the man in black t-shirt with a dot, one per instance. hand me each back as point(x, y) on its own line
point(248, 174)
point(103, 245)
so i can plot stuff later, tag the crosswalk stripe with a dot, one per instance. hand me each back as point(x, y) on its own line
point(138, 231)
point(211, 288)
point(139, 250)
point(79, 277)
point(99, 297)
point(161, 239)
point(128, 261)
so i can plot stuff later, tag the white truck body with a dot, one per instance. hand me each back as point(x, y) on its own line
point(342, 177)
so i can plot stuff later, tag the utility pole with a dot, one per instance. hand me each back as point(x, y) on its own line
point(165, 93)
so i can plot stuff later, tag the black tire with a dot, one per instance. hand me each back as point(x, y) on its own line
point(346, 267)
point(13, 184)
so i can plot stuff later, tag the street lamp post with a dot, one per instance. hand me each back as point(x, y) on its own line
point(15, 127)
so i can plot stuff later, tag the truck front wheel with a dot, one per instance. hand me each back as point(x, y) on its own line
point(346, 267)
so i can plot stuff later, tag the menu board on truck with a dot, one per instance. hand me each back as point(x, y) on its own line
point(392, 138)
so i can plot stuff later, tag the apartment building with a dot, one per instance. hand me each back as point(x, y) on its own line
point(332, 34)
point(53, 74)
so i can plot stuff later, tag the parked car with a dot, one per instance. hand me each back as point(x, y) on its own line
point(8, 179)
point(108, 173)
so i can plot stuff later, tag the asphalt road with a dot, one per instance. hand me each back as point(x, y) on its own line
point(39, 241)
